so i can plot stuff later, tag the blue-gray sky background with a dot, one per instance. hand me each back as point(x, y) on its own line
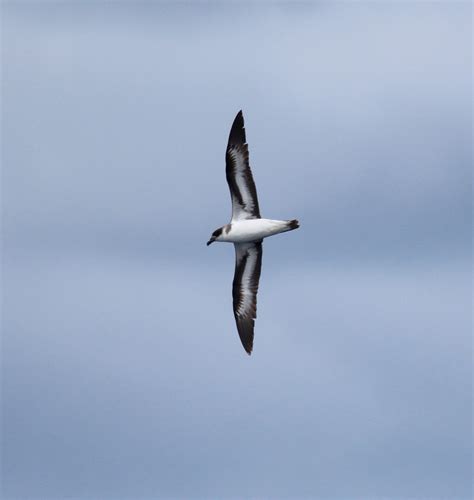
point(122, 372)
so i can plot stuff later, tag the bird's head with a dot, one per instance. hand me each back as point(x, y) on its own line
point(216, 236)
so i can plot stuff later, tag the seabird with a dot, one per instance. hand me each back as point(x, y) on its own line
point(246, 230)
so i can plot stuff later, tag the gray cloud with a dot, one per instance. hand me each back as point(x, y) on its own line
point(122, 371)
point(118, 383)
point(366, 133)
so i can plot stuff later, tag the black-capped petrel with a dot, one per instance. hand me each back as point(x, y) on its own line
point(246, 231)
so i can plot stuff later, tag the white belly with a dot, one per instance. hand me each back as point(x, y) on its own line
point(253, 230)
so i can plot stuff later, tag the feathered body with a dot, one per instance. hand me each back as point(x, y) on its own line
point(244, 231)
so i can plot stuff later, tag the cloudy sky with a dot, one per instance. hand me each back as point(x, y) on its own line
point(122, 372)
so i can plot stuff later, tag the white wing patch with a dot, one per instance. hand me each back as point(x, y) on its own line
point(239, 176)
point(248, 264)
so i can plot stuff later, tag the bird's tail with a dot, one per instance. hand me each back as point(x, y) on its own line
point(292, 224)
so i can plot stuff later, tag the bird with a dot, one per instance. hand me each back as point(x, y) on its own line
point(246, 230)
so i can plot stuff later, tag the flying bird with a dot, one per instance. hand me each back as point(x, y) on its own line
point(246, 230)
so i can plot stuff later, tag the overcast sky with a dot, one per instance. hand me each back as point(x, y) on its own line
point(122, 371)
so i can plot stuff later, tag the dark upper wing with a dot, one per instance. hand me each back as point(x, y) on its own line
point(248, 264)
point(239, 175)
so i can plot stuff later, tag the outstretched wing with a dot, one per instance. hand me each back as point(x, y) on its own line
point(238, 173)
point(248, 264)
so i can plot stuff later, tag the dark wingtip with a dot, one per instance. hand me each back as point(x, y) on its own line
point(247, 343)
point(237, 132)
point(245, 329)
